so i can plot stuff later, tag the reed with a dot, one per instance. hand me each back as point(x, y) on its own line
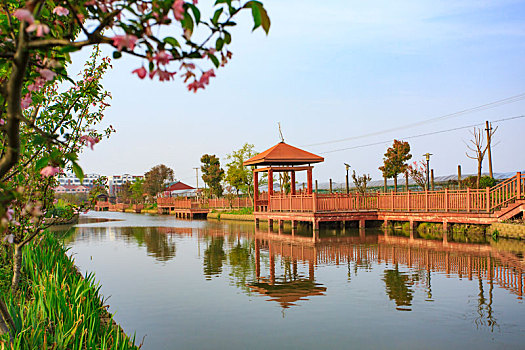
point(58, 308)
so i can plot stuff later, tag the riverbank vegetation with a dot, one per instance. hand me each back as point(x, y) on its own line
point(54, 306)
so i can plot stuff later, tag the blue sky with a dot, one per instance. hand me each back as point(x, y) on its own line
point(328, 71)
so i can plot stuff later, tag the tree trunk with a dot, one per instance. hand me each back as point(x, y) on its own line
point(395, 183)
point(6, 322)
point(479, 174)
point(17, 267)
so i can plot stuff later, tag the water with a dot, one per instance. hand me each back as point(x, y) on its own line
point(203, 285)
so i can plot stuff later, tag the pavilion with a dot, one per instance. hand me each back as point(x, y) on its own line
point(281, 158)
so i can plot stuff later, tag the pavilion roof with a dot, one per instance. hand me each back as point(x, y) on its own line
point(177, 186)
point(284, 154)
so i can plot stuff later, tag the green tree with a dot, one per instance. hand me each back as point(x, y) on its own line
point(137, 191)
point(237, 175)
point(212, 173)
point(395, 161)
point(157, 179)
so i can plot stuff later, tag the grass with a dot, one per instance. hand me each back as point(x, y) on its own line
point(56, 308)
point(241, 211)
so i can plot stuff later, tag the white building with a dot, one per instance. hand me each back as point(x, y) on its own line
point(116, 181)
point(72, 180)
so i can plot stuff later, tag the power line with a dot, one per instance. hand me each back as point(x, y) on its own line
point(421, 135)
point(480, 108)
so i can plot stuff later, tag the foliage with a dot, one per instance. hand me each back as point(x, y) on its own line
point(42, 310)
point(214, 257)
point(237, 175)
point(212, 173)
point(124, 193)
point(361, 181)
point(395, 160)
point(137, 191)
point(486, 181)
point(156, 180)
point(399, 287)
point(418, 173)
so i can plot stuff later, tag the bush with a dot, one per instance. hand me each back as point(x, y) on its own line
point(486, 181)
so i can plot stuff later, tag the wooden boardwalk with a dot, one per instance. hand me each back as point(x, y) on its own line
point(471, 206)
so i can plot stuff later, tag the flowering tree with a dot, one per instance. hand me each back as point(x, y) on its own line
point(37, 37)
point(418, 173)
point(43, 131)
point(395, 160)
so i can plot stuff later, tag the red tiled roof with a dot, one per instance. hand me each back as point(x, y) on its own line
point(179, 186)
point(284, 154)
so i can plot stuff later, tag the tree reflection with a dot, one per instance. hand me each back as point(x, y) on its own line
point(242, 263)
point(158, 245)
point(398, 287)
point(214, 256)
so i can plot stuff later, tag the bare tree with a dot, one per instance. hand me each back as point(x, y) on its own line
point(478, 148)
point(361, 181)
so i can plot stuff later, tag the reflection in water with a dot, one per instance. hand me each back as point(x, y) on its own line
point(283, 268)
point(399, 287)
point(214, 256)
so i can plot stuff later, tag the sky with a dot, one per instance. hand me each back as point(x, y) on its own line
point(333, 70)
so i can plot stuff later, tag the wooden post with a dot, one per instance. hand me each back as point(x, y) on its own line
point(255, 189)
point(468, 199)
point(292, 180)
point(406, 181)
point(330, 185)
point(384, 183)
point(459, 177)
point(432, 178)
point(316, 187)
point(518, 185)
point(270, 183)
point(362, 223)
point(487, 194)
point(446, 199)
point(426, 199)
point(314, 202)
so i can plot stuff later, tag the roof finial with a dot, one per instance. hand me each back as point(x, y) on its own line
point(280, 132)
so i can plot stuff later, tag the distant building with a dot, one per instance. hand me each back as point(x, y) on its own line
point(115, 182)
point(179, 189)
point(72, 180)
point(75, 189)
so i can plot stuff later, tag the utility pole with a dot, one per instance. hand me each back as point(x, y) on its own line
point(197, 176)
point(489, 136)
point(347, 182)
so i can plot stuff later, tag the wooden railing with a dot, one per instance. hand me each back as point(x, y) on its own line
point(469, 200)
point(218, 203)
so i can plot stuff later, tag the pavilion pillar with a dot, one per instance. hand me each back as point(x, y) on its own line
point(292, 182)
point(255, 189)
point(270, 184)
point(309, 180)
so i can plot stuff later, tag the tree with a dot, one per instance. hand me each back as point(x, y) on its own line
point(137, 191)
point(360, 182)
point(157, 179)
point(37, 37)
point(395, 160)
point(478, 149)
point(418, 173)
point(237, 175)
point(212, 173)
point(124, 193)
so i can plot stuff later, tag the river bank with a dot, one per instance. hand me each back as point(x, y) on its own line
point(55, 306)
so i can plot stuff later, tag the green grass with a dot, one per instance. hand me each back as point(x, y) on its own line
point(56, 308)
point(241, 211)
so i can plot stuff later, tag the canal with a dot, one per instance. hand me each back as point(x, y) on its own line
point(180, 284)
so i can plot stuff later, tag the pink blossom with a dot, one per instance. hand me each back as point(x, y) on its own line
point(165, 75)
point(49, 171)
point(195, 2)
point(37, 85)
point(141, 72)
point(47, 74)
point(178, 9)
point(9, 214)
point(24, 15)
point(128, 41)
point(2, 122)
point(60, 11)
point(26, 101)
point(90, 140)
point(9, 238)
point(41, 29)
point(197, 84)
point(205, 77)
point(162, 57)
